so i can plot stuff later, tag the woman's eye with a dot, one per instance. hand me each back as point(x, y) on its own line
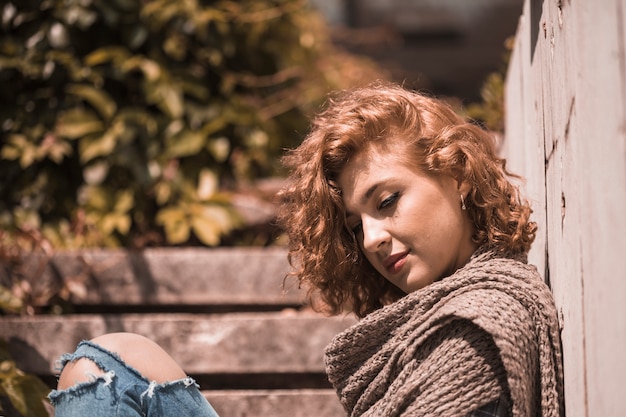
point(389, 201)
point(357, 229)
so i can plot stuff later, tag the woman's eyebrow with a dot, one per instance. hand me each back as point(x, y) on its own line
point(369, 193)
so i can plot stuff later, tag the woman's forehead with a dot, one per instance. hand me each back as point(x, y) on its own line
point(364, 173)
point(378, 159)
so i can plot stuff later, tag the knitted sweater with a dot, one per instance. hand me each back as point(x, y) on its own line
point(487, 331)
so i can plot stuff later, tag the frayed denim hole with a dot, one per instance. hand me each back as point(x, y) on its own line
point(154, 386)
point(60, 363)
point(76, 390)
point(107, 377)
point(149, 392)
point(73, 357)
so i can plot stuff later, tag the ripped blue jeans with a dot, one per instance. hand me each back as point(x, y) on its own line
point(123, 392)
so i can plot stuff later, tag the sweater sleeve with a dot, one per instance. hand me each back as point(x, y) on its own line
point(459, 352)
point(515, 338)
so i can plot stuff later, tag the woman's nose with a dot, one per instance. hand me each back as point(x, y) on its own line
point(375, 234)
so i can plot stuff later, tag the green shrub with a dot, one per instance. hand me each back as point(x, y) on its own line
point(489, 112)
point(24, 393)
point(124, 122)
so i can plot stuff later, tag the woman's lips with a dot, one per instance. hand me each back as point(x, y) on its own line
point(394, 263)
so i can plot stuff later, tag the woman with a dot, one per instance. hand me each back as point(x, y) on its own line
point(400, 212)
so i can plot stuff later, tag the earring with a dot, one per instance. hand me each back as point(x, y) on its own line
point(463, 206)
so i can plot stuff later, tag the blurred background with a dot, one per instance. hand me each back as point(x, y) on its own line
point(446, 46)
point(134, 123)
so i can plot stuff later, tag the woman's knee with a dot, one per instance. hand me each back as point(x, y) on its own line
point(78, 371)
point(142, 354)
point(138, 352)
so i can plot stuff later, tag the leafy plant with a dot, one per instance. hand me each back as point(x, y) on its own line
point(489, 112)
point(26, 393)
point(126, 122)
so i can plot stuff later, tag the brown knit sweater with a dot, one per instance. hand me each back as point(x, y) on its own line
point(488, 331)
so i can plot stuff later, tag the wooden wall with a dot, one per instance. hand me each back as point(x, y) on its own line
point(566, 132)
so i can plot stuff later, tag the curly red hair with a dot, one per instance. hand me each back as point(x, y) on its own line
point(424, 132)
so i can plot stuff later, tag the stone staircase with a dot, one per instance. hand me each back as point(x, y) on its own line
point(221, 313)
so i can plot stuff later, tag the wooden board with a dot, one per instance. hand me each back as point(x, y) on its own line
point(244, 343)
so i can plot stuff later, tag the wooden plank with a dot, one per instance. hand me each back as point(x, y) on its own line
point(279, 403)
point(601, 103)
point(273, 343)
point(577, 98)
point(158, 276)
point(523, 144)
point(547, 97)
point(562, 117)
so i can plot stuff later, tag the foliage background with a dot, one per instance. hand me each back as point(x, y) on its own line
point(128, 123)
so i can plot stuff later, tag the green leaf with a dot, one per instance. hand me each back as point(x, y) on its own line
point(171, 101)
point(175, 222)
point(115, 221)
point(98, 98)
point(92, 147)
point(26, 392)
point(124, 201)
point(167, 97)
point(6, 63)
point(77, 123)
point(54, 148)
point(210, 15)
point(106, 54)
point(214, 125)
point(96, 198)
point(220, 215)
point(185, 143)
point(210, 221)
point(207, 230)
point(19, 147)
point(139, 117)
point(28, 156)
point(26, 218)
point(9, 302)
point(159, 12)
point(151, 69)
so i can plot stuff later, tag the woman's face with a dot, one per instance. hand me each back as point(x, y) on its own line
point(409, 225)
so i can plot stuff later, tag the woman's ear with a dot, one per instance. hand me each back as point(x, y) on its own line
point(463, 187)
